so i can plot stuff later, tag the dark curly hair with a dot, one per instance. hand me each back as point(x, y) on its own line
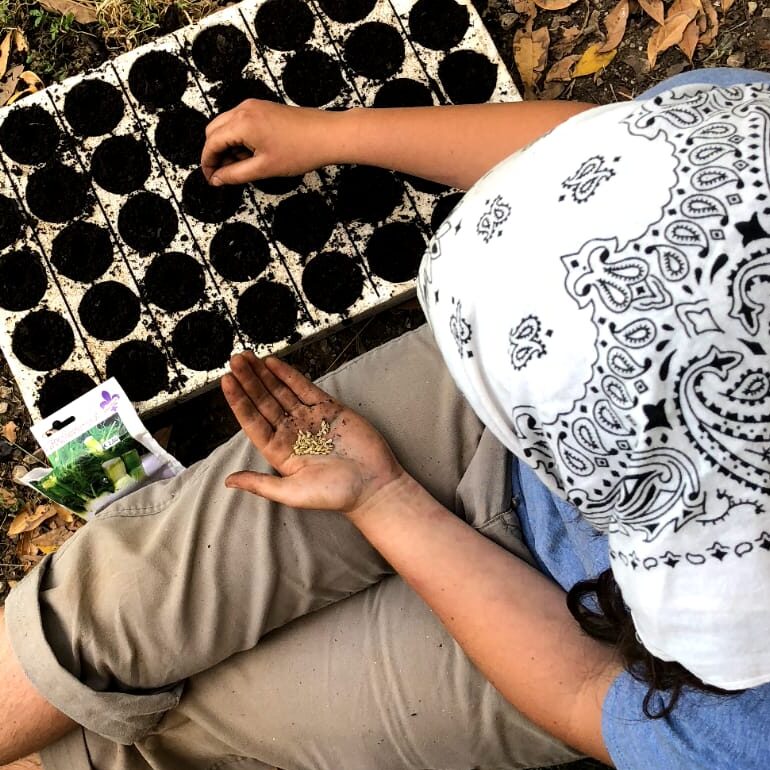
point(598, 607)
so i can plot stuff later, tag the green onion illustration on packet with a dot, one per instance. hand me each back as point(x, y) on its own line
point(99, 450)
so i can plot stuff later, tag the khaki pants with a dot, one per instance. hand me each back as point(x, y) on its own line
point(191, 627)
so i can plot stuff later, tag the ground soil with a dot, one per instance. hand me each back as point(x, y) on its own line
point(394, 251)
point(147, 222)
point(174, 281)
point(109, 311)
point(284, 25)
point(30, 135)
point(374, 50)
point(43, 340)
point(239, 252)
point(221, 52)
point(93, 107)
point(468, 77)
point(121, 164)
point(332, 281)
point(311, 78)
point(158, 79)
point(11, 221)
point(22, 280)
point(140, 367)
point(82, 251)
point(267, 312)
point(203, 340)
point(207, 203)
point(316, 222)
point(438, 24)
point(180, 135)
point(57, 193)
point(366, 193)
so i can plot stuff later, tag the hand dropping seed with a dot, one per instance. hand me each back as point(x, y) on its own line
point(308, 443)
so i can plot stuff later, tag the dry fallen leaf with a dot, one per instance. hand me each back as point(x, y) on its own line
point(530, 51)
point(64, 515)
point(592, 61)
point(10, 431)
point(667, 35)
point(51, 541)
point(727, 5)
point(615, 24)
point(34, 84)
point(28, 519)
point(562, 70)
point(525, 8)
point(20, 41)
point(554, 5)
point(654, 9)
point(5, 52)
point(712, 23)
point(565, 44)
point(85, 13)
point(8, 500)
point(689, 39)
point(9, 83)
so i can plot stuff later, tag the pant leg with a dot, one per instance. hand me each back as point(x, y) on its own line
point(184, 573)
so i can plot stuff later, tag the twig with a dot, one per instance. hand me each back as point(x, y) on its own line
point(345, 349)
point(29, 454)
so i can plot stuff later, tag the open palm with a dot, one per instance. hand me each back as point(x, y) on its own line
point(273, 402)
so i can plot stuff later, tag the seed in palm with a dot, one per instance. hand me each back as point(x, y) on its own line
point(309, 443)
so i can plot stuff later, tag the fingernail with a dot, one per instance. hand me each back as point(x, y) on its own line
point(216, 181)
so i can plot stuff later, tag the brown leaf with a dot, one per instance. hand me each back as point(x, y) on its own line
point(727, 5)
point(562, 70)
point(20, 41)
point(554, 5)
point(667, 35)
point(85, 13)
point(592, 61)
point(553, 90)
point(9, 83)
point(52, 540)
point(5, 52)
point(712, 26)
point(615, 24)
point(567, 41)
point(63, 515)
point(24, 546)
point(525, 8)
point(28, 519)
point(689, 39)
point(530, 51)
point(8, 500)
point(654, 9)
point(10, 431)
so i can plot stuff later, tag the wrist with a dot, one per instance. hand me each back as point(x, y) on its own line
point(400, 496)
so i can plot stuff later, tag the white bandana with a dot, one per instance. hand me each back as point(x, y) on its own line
point(600, 300)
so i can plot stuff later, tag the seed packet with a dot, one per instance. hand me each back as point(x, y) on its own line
point(99, 450)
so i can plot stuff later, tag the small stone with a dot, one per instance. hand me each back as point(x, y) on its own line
point(736, 59)
point(18, 472)
point(507, 20)
point(766, 13)
point(3, 407)
point(751, 7)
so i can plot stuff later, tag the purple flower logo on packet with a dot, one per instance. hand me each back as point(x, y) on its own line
point(109, 402)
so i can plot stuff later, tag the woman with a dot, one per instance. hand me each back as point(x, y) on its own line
point(597, 299)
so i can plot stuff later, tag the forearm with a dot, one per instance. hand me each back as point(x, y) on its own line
point(452, 145)
point(509, 619)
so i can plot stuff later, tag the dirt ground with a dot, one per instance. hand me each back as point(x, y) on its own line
point(743, 39)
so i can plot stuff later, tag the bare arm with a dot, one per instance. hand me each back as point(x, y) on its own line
point(452, 145)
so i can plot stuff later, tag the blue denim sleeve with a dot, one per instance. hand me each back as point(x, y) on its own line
point(704, 731)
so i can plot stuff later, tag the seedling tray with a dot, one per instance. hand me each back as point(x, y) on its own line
point(117, 259)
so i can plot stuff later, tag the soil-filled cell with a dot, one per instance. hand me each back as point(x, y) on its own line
point(93, 107)
point(147, 222)
point(438, 24)
point(284, 25)
point(11, 221)
point(239, 252)
point(140, 368)
point(312, 78)
point(278, 185)
point(208, 203)
point(443, 208)
point(120, 164)
point(375, 50)
point(347, 11)
point(403, 92)
point(303, 222)
point(221, 52)
point(29, 135)
point(395, 250)
point(267, 312)
point(57, 193)
point(367, 193)
point(332, 281)
point(158, 79)
point(82, 251)
point(22, 280)
point(181, 134)
point(43, 340)
point(60, 389)
point(468, 77)
point(203, 340)
point(231, 93)
point(109, 311)
point(174, 281)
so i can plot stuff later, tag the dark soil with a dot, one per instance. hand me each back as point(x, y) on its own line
point(221, 52)
point(278, 185)
point(231, 93)
point(147, 222)
point(30, 135)
point(346, 11)
point(332, 281)
point(93, 107)
point(438, 24)
point(181, 134)
point(43, 340)
point(267, 312)
point(303, 222)
point(375, 50)
point(203, 340)
point(207, 203)
point(403, 92)
point(284, 25)
point(82, 251)
point(121, 164)
point(11, 221)
point(57, 193)
point(22, 280)
point(158, 79)
point(312, 78)
point(59, 389)
point(109, 311)
point(367, 193)
point(468, 77)
point(140, 368)
point(443, 208)
point(239, 252)
point(174, 281)
point(395, 250)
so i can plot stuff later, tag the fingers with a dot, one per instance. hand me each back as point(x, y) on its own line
point(275, 488)
point(280, 392)
point(239, 172)
point(299, 384)
point(256, 427)
point(223, 141)
point(247, 374)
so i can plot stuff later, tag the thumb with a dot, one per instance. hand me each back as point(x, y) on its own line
point(276, 488)
point(240, 172)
